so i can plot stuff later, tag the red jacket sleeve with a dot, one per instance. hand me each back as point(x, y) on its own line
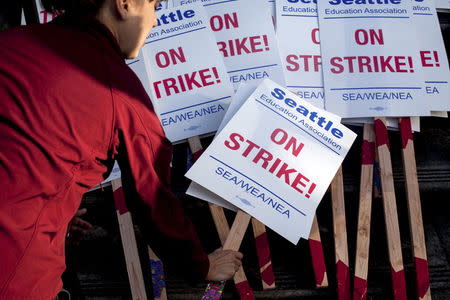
point(144, 156)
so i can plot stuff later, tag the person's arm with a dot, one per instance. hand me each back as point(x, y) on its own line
point(144, 155)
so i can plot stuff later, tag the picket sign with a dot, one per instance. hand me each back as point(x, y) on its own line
point(249, 158)
point(414, 211)
point(340, 237)
point(373, 69)
point(390, 210)
point(128, 242)
point(364, 215)
point(300, 49)
point(242, 286)
point(287, 120)
point(189, 84)
point(315, 243)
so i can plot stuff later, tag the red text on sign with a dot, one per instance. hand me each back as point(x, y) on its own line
point(429, 58)
point(226, 21)
point(274, 165)
point(306, 63)
point(173, 56)
point(247, 45)
point(315, 36)
point(372, 64)
point(48, 16)
point(186, 82)
point(371, 36)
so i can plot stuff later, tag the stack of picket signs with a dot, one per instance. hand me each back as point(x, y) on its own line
point(274, 79)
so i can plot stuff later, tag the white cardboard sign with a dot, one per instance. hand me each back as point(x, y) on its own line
point(246, 39)
point(190, 87)
point(277, 170)
point(242, 94)
point(300, 49)
point(371, 65)
point(433, 56)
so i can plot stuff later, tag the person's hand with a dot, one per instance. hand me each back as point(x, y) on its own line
point(223, 264)
point(77, 227)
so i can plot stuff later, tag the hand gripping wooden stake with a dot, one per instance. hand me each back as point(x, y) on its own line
point(233, 242)
point(223, 229)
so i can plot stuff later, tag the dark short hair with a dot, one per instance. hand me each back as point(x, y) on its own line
point(80, 6)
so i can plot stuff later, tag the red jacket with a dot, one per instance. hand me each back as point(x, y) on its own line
point(69, 106)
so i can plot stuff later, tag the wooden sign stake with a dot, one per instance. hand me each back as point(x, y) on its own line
point(214, 289)
point(340, 237)
point(317, 257)
point(364, 217)
point(129, 243)
point(263, 252)
point(223, 229)
point(414, 210)
point(390, 210)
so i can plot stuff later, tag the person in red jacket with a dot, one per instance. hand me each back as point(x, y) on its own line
point(70, 106)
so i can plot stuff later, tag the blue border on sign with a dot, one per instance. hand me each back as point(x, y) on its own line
point(305, 16)
point(305, 86)
point(219, 2)
point(378, 88)
point(367, 17)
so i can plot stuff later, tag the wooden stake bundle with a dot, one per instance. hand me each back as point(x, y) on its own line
point(364, 217)
point(129, 243)
point(340, 237)
point(390, 210)
point(414, 210)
